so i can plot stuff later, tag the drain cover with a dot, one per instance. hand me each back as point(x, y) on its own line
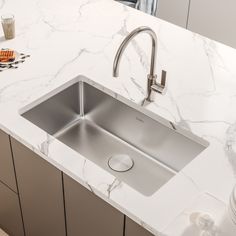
point(120, 162)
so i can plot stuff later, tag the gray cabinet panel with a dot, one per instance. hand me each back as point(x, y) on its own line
point(10, 214)
point(133, 229)
point(88, 215)
point(41, 193)
point(7, 174)
point(214, 19)
point(175, 12)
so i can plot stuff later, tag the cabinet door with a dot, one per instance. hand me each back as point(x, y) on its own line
point(7, 174)
point(133, 229)
point(88, 215)
point(214, 19)
point(10, 214)
point(175, 12)
point(41, 193)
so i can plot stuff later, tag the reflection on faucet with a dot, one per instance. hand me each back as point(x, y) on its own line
point(152, 85)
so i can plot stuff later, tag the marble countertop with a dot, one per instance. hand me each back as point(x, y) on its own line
point(67, 38)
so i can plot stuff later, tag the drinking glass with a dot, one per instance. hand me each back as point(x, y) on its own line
point(8, 25)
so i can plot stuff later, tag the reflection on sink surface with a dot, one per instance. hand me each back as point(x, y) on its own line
point(99, 126)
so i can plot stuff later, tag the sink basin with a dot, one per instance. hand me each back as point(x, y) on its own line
point(101, 127)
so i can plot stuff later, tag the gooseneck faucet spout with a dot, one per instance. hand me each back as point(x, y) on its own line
point(125, 43)
point(151, 84)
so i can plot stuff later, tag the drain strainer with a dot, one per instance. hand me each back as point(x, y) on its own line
point(120, 162)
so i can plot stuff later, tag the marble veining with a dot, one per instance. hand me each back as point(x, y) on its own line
point(68, 38)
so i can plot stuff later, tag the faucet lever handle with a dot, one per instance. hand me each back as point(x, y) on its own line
point(163, 78)
point(159, 87)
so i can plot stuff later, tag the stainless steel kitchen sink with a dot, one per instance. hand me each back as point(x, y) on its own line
point(146, 153)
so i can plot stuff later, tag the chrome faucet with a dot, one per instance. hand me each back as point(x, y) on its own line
point(152, 85)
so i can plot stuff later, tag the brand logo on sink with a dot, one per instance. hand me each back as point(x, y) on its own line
point(139, 119)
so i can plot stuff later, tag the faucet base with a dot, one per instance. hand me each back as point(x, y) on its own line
point(151, 80)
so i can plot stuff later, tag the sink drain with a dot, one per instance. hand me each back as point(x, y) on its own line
point(120, 162)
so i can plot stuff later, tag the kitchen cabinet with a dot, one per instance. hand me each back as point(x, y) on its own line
point(41, 193)
point(131, 229)
point(175, 12)
point(7, 173)
point(214, 19)
point(87, 214)
point(10, 213)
